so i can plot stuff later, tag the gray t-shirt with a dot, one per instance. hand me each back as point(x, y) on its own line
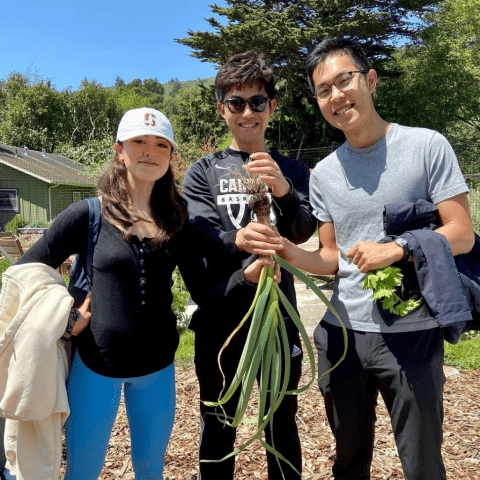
point(350, 188)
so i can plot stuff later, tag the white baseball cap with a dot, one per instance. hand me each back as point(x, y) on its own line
point(145, 121)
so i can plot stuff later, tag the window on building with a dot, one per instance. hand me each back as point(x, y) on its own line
point(77, 196)
point(9, 199)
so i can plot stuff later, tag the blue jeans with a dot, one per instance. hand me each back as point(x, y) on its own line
point(94, 402)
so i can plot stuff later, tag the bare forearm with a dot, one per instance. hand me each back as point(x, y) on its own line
point(323, 261)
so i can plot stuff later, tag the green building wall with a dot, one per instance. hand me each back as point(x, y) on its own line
point(33, 197)
point(64, 195)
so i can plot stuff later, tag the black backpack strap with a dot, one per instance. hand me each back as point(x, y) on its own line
point(94, 219)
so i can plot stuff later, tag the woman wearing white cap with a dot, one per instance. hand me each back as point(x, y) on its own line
point(132, 337)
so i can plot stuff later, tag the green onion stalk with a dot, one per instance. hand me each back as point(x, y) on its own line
point(267, 347)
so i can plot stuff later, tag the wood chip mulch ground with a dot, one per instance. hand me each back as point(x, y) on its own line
point(461, 446)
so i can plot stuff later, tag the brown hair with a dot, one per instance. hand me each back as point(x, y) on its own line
point(169, 208)
point(247, 68)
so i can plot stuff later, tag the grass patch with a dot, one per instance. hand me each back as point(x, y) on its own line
point(185, 351)
point(465, 355)
point(474, 200)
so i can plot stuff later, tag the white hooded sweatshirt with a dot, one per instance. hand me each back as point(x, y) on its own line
point(34, 310)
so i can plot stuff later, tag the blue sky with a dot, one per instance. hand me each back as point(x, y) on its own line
point(100, 39)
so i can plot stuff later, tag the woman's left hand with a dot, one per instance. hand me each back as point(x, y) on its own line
point(85, 316)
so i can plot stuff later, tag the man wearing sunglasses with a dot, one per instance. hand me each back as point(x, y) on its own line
point(230, 242)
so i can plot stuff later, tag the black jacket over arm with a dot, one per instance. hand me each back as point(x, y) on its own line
point(450, 286)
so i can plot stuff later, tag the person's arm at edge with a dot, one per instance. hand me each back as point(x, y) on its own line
point(66, 236)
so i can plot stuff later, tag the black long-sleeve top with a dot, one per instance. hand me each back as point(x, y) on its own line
point(218, 207)
point(133, 329)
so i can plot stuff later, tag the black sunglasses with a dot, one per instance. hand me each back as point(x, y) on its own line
point(257, 103)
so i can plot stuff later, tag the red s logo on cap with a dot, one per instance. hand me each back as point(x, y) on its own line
point(149, 122)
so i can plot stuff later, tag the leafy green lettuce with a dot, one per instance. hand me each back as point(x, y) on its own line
point(386, 284)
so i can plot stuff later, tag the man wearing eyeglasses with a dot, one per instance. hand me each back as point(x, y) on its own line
point(230, 242)
point(380, 163)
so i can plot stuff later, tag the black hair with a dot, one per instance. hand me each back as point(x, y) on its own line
point(335, 46)
point(247, 68)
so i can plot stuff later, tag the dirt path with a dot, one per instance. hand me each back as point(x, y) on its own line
point(311, 308)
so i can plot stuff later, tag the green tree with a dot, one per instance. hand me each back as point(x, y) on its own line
point(94, 113)
point(31, 115)
point(94, 154)
point(194, 115)
point(285, 31)
point(188, 153)
point(154, 86)
point(135, 83)
point(137, 94)
point(174, 87)
point(440, 77)
point(119, 81)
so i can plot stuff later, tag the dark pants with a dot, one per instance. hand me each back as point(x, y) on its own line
point(407, 369)
point(3, 458)
point(217, 439)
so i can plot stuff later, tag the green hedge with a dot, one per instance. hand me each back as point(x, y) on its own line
point(15, 223)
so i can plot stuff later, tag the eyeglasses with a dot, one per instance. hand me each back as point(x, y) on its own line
point(257, 103)
point(342, 82)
